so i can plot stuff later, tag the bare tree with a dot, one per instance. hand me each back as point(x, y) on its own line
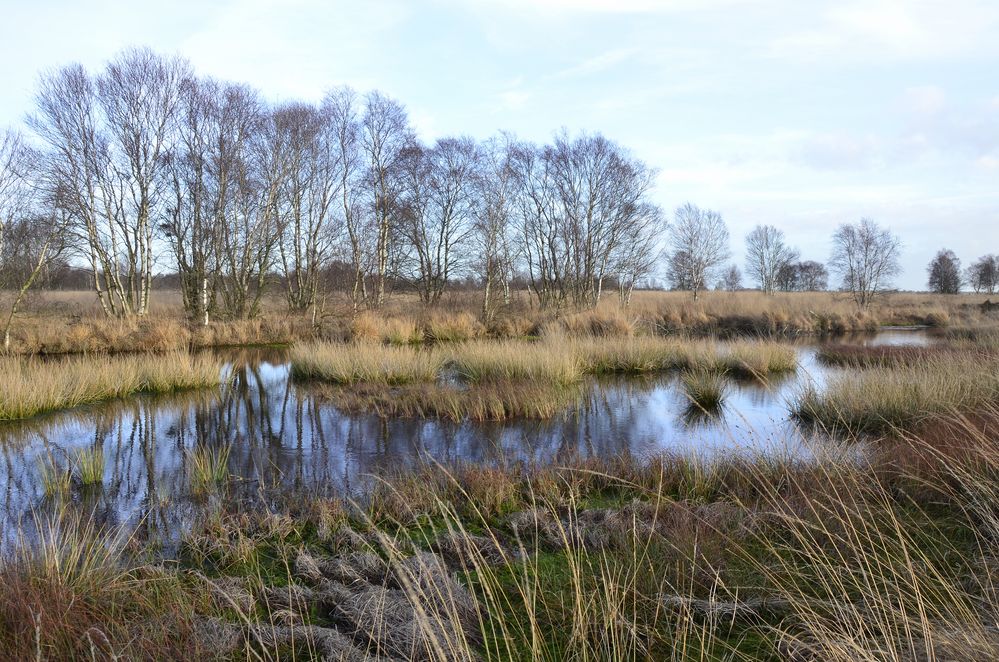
point(340, 106)
point(944, 273)
point(639, 253)
point(307, 202)
point(983, 274)
point(437, 211)
point(28, 242)
point(494, 192)
point(16, 188)
point(811, 276)
point(216, 225)
point(732, 280)
point(698, 242)
point(580, 202)
point(108, 136)
point(866, 258)
point(767, 254)
point(385, 134)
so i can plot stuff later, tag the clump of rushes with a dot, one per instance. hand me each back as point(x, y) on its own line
point(451, 328)
point(705, 389)
point(538, 363)
point(208, 468)
point(56, 479)
point(881, 399)
point(30, 387)
point(860, 356)
point(365, 363)
point(90, 466)
point(638, 355)
point(757, 359)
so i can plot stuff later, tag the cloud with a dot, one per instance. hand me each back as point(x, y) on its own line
point(613, 6)
point(839, 151)
point(599, 63)
point(895, 29)
point(925, 99)
point(514, 99)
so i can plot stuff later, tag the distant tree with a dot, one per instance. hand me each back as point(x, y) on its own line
point(812, 276)
point(679, 272)
point(865, 256)
point(788, 277)
point(732, 280)
point(767, 254)
point(983, 274)
point(945, 273)
point(698, 242)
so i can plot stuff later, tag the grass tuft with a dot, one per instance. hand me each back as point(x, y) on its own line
point(208, 468)
point(90, 466)
point(706, 390)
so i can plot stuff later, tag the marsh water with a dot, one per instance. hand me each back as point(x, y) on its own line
point(286, 442)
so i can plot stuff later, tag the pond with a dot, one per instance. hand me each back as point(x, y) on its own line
point(286, 442)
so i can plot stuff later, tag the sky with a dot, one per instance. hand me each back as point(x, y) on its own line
point(800, 114)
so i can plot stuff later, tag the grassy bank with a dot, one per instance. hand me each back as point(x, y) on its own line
point(29, 387)
point(841, 558)
point(71, 322)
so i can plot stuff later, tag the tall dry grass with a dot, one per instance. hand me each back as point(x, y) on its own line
point(363, 363)
point(70, 322)
point(29, 387)
point(877, 400)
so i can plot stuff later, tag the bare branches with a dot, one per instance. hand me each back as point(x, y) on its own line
point(108, 135)
point(698, 241)
point(767, 255)
point(866, 258)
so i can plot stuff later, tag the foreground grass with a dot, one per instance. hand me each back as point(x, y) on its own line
point(841, 558)
point(31, 387)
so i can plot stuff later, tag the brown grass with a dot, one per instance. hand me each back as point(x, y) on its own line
point(29, 387)
point(70, 322)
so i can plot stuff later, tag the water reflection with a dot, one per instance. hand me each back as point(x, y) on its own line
point(284, 440)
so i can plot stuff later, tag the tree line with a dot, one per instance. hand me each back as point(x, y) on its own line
point(145, 167)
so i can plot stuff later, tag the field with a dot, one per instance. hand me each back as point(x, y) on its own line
point(67, 322)
point(876, 544)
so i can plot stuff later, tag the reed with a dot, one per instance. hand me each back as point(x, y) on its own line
point(638, 355)
point(56, 479)
point(30, 387)
point(89, 466)
point(706, 390)
point(757, 359)
point(208, 468)
point(538, 363)
point(887, 356)
point(364, 363)
point(490, 401)
point(879, 400)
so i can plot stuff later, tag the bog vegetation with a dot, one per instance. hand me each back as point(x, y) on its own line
point(476, 281)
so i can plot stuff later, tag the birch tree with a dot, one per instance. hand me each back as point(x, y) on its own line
point(865, 256)
point(385, 133)
point(108, 135)
point(698, 242)
point(767, 255)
